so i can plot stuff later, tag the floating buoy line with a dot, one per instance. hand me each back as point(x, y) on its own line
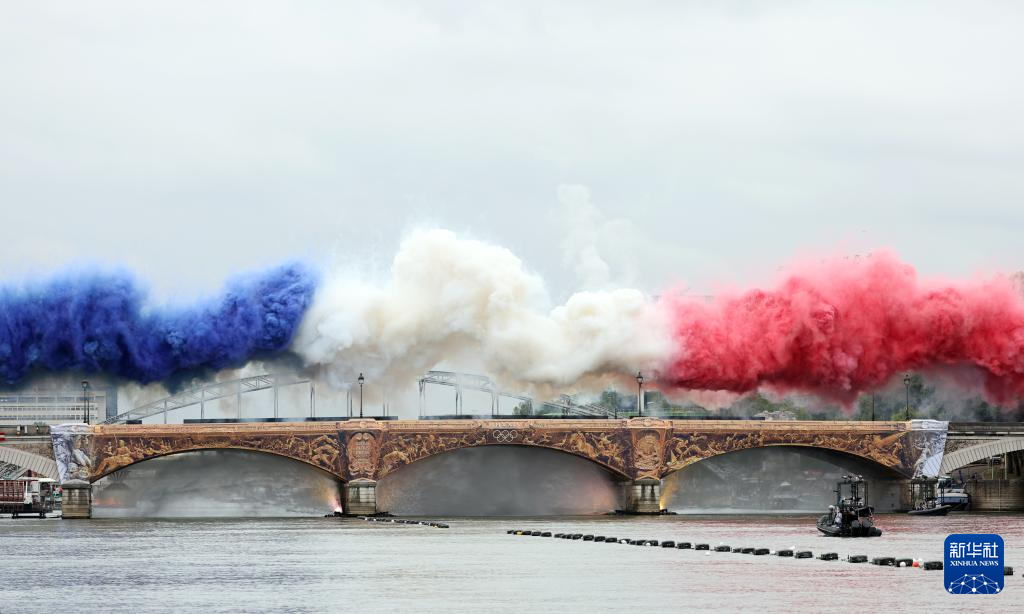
point(422, 523)
point(882, 561)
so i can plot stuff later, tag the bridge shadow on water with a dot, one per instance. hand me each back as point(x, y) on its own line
point(773, 479)
point(215, 483)
point(499, 481)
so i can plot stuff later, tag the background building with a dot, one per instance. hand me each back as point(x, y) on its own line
point(56, 406)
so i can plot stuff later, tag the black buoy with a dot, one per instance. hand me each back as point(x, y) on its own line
point(684, 545)
point(599, 538)
point(546, 534)
point(651, 542)
point(857, 558)
point(702, 547)
point(761, 551)
point(784, 553)
point(577, 535)
point(723, 549)
point(535, 533)
point(559, 535)
point(804, 554)
point(611, 540)
point(933, 565)
point(904, 563)
point(747, 550)
point(668, 544)
point(588, 538)
point(829, 556)
point(885, 561)
point(1007, 571)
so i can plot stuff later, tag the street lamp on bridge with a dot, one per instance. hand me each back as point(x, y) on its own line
point(361, 380)
point(85, 399)
point(906, 382)
point(639, 394)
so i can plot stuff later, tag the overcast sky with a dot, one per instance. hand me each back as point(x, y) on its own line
point(717, 140)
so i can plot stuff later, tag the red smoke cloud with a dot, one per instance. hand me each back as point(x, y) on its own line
point(844, 327)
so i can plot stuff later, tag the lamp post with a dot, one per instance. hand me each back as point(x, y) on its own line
point(906, 382)
point(639, 394)
point(85, 399)
point(361, 380)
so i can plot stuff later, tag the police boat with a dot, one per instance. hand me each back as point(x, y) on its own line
point(851, 516)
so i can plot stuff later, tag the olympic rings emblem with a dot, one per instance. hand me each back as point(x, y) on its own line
point(505, 436)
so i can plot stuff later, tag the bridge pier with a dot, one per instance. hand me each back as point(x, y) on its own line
point(999, 495)
point(643, 496)
point(360, 497)
point(76, 501)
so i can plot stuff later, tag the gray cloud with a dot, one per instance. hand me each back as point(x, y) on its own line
point(190, 142)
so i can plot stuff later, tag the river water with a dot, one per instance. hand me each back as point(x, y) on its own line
point(350, 565)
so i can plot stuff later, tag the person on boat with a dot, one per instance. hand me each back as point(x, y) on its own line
point(837, 515)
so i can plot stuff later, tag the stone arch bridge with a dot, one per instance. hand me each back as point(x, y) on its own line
point(638, 451)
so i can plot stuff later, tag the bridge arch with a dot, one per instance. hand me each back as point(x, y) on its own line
point(22, 460)
point(965, 456)
point(892, 449)
point(104, 470)
point(113, 451)
point(395, 460)
point(825, 453)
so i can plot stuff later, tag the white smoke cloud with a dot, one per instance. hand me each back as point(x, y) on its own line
point(452, 297)
point(582, 225)
point(606, 251)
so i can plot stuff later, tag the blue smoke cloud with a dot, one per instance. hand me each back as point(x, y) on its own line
point(97, 322)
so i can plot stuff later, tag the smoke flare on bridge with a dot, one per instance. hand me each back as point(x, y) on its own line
point(834, 329)
point(98, 322)
point(843, 327)
point(449, 298)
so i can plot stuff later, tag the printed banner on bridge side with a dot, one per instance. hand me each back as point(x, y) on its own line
point(974, 564)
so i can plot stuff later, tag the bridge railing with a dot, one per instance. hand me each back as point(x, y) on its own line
point(987, 428)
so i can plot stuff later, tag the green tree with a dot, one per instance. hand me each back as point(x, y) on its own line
point(523, 408)
point(611, 399)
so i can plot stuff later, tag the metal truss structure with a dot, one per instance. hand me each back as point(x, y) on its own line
point(15, 462)
point(462, 382)
point(199, 395)
point(480, 383)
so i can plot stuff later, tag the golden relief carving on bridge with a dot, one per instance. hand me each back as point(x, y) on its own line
point(114, 452)
point(362, 455)
point(647, 454)
point(888, 449)
point(634, 448)
point(608, 448)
